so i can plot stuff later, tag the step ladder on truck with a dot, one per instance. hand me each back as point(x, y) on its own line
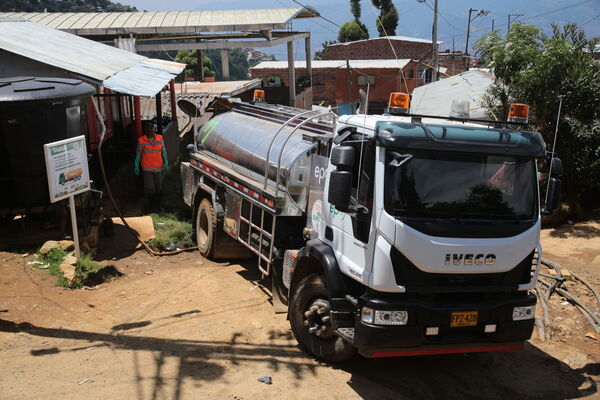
point(390, 235)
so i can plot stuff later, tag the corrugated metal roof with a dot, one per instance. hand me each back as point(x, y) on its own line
point(167, 22)
point(436, 98)
point(114, 68)
point(217, 89)
point(317, 64)
point(400, 38)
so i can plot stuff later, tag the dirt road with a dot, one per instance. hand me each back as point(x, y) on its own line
point(186, 328)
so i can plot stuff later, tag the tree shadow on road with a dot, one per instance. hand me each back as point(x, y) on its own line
point(197, 360)
point(527, 374)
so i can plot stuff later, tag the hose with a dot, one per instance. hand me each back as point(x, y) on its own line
point(544, 303)
point(558, 268)
point(590, 316)
point(112, 199)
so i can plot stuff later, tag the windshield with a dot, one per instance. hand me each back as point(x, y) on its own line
point(459, 185)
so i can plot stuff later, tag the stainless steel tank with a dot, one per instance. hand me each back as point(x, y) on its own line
point(242, 142)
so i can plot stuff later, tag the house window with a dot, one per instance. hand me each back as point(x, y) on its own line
point(273, 81)
point(364, 80)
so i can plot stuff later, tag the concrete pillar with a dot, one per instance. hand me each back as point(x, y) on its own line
point(308, 59)
point(291, 73)
point(225, 64)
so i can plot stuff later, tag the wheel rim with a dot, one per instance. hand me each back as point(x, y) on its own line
point(202, 229)
point(317, 319)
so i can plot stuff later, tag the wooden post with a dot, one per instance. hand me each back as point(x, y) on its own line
point(291, 73)
point(308, 59)
point(173, 100)
point(137, 114)
point(159, 113)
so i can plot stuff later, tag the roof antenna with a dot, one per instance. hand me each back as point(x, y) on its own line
point(553, 148)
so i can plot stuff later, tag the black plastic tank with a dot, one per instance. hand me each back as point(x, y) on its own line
point(33, 112)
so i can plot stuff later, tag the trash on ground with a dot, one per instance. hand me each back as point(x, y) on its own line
point(266, 380)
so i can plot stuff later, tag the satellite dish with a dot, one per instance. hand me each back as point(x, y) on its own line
point(189, 108)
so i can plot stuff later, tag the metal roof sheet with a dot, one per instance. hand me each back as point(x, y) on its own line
point(216, 89)
point(317, 64)
point(167, 21)
point(436, 98)
point(114, 68)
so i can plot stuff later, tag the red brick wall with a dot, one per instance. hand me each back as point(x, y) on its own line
point(378, 49)
point(331, 85)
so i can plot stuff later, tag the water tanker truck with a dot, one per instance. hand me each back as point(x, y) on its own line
point(390, 235)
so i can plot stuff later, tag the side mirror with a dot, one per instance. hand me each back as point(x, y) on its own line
point(343, 157)
point(557, 167)
point(340, 187)
point(553, 195)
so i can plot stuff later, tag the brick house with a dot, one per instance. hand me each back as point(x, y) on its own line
point(337, 82)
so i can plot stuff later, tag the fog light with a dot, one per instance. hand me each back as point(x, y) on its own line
point(390, 317)
point(490, 328)
point(366, 315)
point(432, 330)
point(522, 313)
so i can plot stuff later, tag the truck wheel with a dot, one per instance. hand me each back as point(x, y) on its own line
point(206, 226)
point(311, 322)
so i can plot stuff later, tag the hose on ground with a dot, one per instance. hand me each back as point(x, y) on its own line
point(546, 321)
point(588, 314)
point(558, 268)
point(133, 232)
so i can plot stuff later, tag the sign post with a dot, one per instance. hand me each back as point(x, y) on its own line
point(68, 175)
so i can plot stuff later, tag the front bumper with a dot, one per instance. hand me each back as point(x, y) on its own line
point(410, 339)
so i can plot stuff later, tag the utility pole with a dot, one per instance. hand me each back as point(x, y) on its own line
point(479, 12)
point(512, 20)
point(436, 61)
point(493, 20)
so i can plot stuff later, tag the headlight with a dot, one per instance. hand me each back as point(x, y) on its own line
point(380, 317)
point(390, 317)
point(523, 313)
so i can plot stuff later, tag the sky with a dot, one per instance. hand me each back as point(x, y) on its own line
point(415, 17)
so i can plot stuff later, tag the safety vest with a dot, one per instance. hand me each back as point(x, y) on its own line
point(151, 153)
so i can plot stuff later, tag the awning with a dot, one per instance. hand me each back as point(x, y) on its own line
point(109, 66)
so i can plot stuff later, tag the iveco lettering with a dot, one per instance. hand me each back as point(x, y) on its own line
point(387, 235)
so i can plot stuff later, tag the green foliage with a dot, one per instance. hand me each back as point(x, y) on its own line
point(355, 9)
point(63, 6)
point(238, 63)
point(388, 17)
point(323, 53)
point(538, 70)
point(171, 232)
point(352, 31)
point(53, 259)
point(189, 57)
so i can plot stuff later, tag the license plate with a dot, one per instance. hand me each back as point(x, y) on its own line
point(463, 318)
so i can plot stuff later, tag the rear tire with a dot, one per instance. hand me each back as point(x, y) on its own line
point(206, 227)
point(311, 292)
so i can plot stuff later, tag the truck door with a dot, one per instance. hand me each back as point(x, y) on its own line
point(352, 236)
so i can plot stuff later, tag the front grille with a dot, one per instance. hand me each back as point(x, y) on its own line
point(418, 281)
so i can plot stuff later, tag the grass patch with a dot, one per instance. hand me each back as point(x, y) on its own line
point(87, 272)
point(171, 232)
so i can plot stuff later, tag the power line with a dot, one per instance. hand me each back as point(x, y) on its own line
point(440, 14)
point(320, 16)
point(589, 20)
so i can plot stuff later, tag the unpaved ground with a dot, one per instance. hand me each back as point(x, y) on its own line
point(185, 328)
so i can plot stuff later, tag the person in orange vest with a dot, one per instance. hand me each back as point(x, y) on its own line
point(152, 157)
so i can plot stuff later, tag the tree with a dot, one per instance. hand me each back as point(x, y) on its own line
point(353, 30)
point(323, 53)
point(539, 70)
point(190, 58)
point(388, 17)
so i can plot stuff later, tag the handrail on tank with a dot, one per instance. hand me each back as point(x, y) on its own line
point(273, 141)
point(288, 138)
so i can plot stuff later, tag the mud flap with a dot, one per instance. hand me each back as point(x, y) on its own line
point(278, 291)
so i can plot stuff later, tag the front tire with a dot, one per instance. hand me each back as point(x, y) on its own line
point(206, 227)
point(311, 322)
